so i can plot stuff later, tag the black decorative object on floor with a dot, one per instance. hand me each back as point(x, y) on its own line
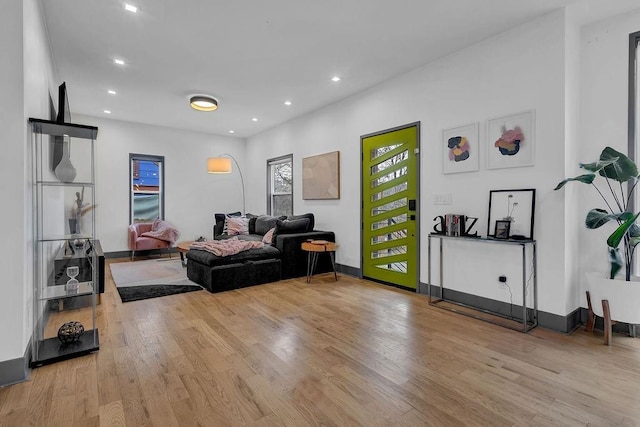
point(70, 332)
point(135, 293)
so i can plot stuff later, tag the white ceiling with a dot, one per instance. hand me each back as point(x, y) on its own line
point(252, 55)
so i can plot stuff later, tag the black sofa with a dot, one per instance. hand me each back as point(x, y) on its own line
point(282, 259)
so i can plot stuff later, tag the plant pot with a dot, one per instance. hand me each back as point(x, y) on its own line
point(623, 297)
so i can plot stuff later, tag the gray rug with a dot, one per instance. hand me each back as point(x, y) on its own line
point(139, 280)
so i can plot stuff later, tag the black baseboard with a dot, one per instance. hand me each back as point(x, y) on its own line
point(348, 270)
point(15, 370)
point(565, 324)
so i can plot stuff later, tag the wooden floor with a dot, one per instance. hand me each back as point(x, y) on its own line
point(325, 353)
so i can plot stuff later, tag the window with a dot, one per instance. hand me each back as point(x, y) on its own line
point(280, 185)
point(146, 201)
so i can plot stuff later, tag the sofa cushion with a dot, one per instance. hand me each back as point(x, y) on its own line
point(249, 237)
point(268, 237)
point(237, 225)
point(252, 223)
point(265, 223)
point(309, 216)
point(220, 221)
point(207, 258)
point(290, 227)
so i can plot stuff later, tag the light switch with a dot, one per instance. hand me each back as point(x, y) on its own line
point(442, 199)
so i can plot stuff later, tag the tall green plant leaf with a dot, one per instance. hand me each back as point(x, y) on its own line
point(598, 217)
point(586, 179)
point(616, 237)
point(615, 259)
point(613, 165)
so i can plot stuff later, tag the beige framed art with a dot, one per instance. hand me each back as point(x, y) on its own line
point(321, 176)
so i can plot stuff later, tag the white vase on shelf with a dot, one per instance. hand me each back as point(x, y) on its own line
point(65, 171)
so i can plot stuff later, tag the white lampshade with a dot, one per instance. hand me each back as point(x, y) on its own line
point(218, 165)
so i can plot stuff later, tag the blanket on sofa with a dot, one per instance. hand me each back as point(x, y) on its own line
point(226, 247)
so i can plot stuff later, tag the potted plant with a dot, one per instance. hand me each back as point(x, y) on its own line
point(619, 181)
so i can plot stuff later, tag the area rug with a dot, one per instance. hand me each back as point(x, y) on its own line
point(139, 280)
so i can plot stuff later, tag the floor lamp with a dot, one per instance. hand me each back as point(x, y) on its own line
point(222, 164)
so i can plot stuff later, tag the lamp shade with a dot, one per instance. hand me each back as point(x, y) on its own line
point(218, 165)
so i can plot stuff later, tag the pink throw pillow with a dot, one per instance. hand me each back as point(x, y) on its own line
point(268, 236)
point(237, 225)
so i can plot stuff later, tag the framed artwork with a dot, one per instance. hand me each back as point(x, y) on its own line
point(502, 229)
point(511, 141)
point(517, 207)
point(321, 176)
point(460, 149)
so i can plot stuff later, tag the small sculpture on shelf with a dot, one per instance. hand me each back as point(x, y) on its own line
point(78, 210)
point(70, 332)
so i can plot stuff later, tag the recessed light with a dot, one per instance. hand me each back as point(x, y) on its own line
point(111, 92)
point(335, 79)
point(287, 103)
point(232, 131)
point(130, 8)
point(107, 111)
point(255, 119)
point(118, 61)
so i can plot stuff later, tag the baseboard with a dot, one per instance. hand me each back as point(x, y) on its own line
point(564, 324)
point(127, 254)
point(15, 370)
point(348, 270)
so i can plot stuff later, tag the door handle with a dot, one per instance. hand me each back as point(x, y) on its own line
point(412, 204)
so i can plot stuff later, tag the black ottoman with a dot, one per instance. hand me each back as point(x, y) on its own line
point(248, 268)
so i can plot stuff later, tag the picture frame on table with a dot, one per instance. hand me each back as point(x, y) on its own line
point(461, 149)
point(502, 229)
point(511, 140)
point(515, 206)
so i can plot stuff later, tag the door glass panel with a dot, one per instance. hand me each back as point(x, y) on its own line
point(390, 162)
point(389, 222)
point(396, 250)
point(395, 235)
point(381, 151)
point(389, 177)
point(398, 267)
point(389, 206)
point(389, 192)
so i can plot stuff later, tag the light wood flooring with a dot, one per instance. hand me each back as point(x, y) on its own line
point(325, 353)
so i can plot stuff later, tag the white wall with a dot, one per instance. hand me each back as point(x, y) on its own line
point(604, 103)
point(27, 75)
point(519, 70)
point(191, 195)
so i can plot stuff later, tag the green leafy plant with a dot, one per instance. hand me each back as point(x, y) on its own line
point(617, 170)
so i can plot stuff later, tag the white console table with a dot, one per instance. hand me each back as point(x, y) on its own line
point(527, 325)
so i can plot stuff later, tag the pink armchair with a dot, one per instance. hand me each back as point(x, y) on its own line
point(137, 242)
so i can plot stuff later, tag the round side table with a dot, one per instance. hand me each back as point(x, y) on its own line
point(314, 248)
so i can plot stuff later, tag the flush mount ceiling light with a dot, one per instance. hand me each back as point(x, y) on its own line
point(203, 103)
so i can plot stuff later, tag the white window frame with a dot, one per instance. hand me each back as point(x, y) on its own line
point(271, 181)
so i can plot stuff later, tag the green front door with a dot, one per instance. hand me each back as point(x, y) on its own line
point(389, 206)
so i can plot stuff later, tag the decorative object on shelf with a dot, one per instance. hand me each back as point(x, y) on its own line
point(455, 225)
point(78, 210)
point(70, 332)
point(69, 251)
point(65, 171)
point(502, 229)
point(511, 141)
point(321, 176)
point(515, 206)
point(460, 149)
point(72, 284)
